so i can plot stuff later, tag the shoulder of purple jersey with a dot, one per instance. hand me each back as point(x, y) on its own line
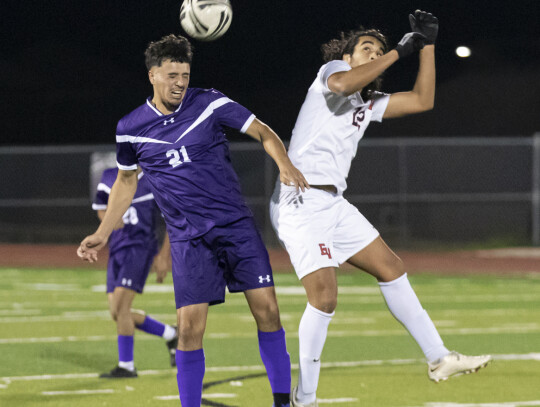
point(130, 120)
point(211, 94)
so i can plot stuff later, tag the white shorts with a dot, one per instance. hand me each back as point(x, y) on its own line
point(318, 228)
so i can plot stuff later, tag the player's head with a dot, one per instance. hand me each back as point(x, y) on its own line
point(357, 47)
point(171, 47)
point(169, 65)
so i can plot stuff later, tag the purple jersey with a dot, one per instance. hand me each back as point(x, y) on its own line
point(139, 220)
point(185, 157)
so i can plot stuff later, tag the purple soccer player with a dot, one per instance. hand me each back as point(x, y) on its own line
point(176, 137)
point(133, 252)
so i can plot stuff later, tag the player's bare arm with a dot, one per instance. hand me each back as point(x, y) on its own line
point(288, 173)
point(162, 261)
point(347, 82)
point(422, 97)
point(120, 199)
point(368, 61)
point(101, 215)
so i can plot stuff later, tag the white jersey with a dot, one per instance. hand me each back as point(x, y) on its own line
point(329, 127)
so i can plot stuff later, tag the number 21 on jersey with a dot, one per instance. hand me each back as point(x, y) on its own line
point(176, 160)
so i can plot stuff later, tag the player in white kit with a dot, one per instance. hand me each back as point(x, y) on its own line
point(319, 228)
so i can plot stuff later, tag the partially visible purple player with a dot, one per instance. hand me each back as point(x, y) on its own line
point(177, 138)
point(133, 252)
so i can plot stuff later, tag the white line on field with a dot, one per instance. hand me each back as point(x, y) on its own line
point(348, 316)
point(219, 395)
point(166, 398)
point(49, 287)
point(71, 392)
point(211, 395)
point(339, 400)
point(376, 362)
point(20, 311)
point(280, 290)
point(511, 328)
point(505, 404)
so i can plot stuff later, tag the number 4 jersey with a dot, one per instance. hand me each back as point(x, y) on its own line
point(185, 158)
point(139, 220)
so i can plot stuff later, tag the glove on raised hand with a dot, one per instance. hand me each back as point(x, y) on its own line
point(409, 43)
point(425, 23)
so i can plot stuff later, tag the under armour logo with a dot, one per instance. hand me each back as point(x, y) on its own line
point(296, 201)
point(325, 251)
point(171, 120)
point(262, 279)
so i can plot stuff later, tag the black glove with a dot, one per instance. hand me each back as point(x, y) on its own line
point(425, 23)
point(409, 43)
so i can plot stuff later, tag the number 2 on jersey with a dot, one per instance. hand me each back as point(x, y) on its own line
point(175, 161)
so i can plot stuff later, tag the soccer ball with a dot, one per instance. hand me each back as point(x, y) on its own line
point(206, 20)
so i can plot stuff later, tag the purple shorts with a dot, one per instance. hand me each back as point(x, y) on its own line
point(128, 267)
point(232, 256)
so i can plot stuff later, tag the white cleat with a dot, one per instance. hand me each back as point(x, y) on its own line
point(295, 403)
point(455, 364)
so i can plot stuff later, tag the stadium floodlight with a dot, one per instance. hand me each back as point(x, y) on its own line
point(463, 51)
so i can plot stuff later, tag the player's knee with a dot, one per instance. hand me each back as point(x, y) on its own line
point(190, 331)
point(326, 304)
point(120, 313)
point(114, 314)
point(324, 299)
point(392, 270)
point(267, 317)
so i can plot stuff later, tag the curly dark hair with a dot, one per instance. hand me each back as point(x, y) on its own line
point(173, 47)
point(337, 47)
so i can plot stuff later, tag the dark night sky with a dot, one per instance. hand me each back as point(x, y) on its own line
point(71, 69)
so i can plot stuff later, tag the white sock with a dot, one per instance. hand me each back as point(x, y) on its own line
point(406, 308)
point(127, 365)
point(169, 333)
point(312, 336)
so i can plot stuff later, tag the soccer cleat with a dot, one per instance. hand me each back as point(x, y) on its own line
point(295, 403)
point(455, 364)
point(119, 373)
point(171, 347)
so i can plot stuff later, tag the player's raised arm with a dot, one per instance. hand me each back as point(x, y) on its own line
point(422, 97)
point(120, 199)
point(368, 60)
point(288, 173)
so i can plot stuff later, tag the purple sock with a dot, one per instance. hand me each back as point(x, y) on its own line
point(276, 359)
point(190, 376)
point(125, 348)
point(152, 326)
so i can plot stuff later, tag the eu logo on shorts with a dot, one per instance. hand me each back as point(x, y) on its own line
point(325, 251)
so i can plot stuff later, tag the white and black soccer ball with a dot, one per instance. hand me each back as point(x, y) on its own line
point(206, 20)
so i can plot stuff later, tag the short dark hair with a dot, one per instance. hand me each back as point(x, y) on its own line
point(337, 47)
point(171, 47)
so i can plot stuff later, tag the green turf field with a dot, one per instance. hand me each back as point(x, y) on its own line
point(56, 337)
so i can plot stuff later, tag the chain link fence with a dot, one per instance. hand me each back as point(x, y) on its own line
point(414, 190)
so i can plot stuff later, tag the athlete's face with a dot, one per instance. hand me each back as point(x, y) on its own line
point(367, 49)
point(170, 82)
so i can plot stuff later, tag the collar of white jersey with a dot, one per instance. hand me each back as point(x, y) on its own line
point(157, 111)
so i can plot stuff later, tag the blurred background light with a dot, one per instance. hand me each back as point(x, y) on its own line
point(463, 52)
